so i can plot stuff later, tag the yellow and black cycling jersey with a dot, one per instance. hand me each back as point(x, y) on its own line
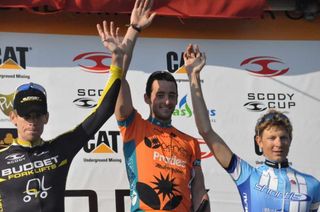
point(33, 178)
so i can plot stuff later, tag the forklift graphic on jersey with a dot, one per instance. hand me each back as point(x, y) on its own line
point(35, 188)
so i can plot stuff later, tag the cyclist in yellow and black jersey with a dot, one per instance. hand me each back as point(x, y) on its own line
point(33, 172)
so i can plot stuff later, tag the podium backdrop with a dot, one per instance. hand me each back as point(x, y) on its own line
point(241, 81)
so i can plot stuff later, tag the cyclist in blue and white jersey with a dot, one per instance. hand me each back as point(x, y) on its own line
point(273, 186)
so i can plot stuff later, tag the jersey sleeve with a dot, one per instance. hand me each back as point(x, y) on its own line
point(72, 141)
point(130, 126)
point(316, 200)
point(106, 104)
point(239, 169)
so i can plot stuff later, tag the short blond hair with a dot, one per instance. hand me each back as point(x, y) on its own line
point(273, 118)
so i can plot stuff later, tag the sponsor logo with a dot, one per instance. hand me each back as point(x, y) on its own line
point(14, 158)
point(14, 76)
point(258, 102)
point(174, 161)
point(87, 97)
point(265, 66)
point(35, 188)
point(245, 202)
point(93, 62)
point(13, 57)
point(207, 154)
point(174, 61)
point(184, 109)
point(6, 137)
point(103, 142)
point(85, 102)
point(38, 154)
point(292, 196)
point(255, 106)
point(6, 103)
point(31, 168)
point(154, 143)
point(161, 194)
point(31, 98)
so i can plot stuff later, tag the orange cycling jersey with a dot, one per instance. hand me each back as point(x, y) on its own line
point(160, 163)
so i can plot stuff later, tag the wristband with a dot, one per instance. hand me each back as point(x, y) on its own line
point(135, 27)
point(116, 70)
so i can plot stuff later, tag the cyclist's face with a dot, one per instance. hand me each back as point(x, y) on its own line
point(275, 143)
point(30, 127)
point(163, 99)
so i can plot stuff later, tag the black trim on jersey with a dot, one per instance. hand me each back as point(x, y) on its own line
point(276, 165)
point(232, 165)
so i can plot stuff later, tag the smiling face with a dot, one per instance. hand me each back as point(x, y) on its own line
point(163, 99)
point(275, 143)
point(29, 128)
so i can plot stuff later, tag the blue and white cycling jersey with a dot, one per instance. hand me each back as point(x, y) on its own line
point(271, 189)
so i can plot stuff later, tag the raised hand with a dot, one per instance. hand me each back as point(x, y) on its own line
point(194, 60)
point(140, 16)
point(110, 37)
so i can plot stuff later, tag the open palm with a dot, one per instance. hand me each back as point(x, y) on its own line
point(140, 15)
point(110, 37)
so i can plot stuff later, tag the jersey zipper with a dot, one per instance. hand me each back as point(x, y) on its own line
point(284, 187)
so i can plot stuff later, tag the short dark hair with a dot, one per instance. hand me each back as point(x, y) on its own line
point(159, 75)
point(273, 118)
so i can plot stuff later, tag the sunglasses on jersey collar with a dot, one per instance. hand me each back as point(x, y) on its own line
point(31, 85)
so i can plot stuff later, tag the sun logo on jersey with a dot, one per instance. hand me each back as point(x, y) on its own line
point(165, 188)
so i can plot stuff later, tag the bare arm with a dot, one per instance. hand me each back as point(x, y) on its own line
point(140, 19)
point(194, 62)
point(198, 191)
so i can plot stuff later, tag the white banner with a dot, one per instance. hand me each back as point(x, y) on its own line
point(242, 79)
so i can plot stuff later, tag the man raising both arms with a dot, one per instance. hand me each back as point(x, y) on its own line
point(33, 171)
point(163, 164)
point(272, 187)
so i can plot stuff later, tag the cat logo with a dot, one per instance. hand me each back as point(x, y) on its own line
point(13, 58)
point(174, 61)
point(103, 142)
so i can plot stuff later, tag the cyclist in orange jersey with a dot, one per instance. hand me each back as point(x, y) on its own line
point(163, 164)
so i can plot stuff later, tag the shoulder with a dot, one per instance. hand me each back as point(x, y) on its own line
point(239, 169)
point(309, 178)
point(183, 135)
point(133, 119)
